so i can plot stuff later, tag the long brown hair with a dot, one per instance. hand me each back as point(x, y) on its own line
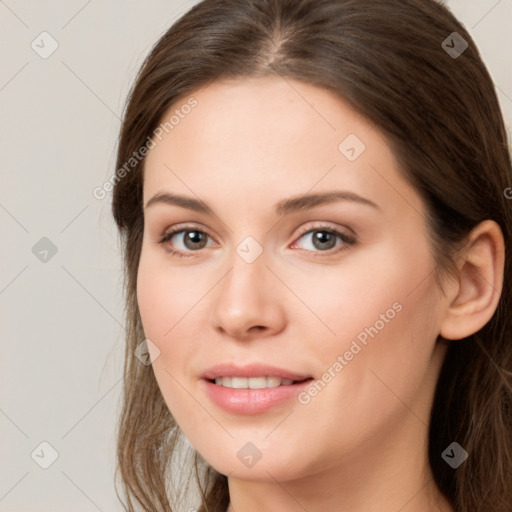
point(390, 61)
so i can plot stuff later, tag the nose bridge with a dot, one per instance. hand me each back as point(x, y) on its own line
point(246, 297)
point(244, 284)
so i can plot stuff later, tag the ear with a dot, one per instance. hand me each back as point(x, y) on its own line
point(474, 294)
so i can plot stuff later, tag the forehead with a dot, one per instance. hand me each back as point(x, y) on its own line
point(267, 136)
point(268, 117)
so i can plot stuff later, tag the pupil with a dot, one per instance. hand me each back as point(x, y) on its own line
point(194, 237)
point(321, 237)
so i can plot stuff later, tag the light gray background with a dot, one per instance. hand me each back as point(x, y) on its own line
point(62, 320)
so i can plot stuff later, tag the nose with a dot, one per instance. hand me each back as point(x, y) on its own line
point(248, 302)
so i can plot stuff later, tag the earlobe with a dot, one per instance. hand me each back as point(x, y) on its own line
point(479, 283)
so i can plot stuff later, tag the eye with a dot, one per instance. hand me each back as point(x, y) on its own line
point(324, 239)
point(191, 240)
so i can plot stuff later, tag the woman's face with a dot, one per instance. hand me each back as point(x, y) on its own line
point(274, 279)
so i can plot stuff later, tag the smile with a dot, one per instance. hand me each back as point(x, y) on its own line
point(252, 382)
point(252, 395)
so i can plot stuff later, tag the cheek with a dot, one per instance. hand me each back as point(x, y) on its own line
point(152, 299)
point(385, 318)
point(166, 300)
point(384, 289)
point(166, 295)
point(380, 311)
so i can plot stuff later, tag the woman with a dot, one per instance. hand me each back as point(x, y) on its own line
point(370, 374)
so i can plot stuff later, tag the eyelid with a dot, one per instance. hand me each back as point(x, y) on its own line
point(179, 228)
point(319, 225)
point(347, 239)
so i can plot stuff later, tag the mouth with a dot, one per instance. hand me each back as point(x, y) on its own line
point(246, 376)
point(252, 389)
point(262, 382)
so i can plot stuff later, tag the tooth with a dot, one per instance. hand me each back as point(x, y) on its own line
point(239, 382)
point(257, 382)
point(252, 382)
point(273, 382)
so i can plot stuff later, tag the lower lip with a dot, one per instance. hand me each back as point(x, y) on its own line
point(251, 401)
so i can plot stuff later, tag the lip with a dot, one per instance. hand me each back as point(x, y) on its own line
point(251, 370)
point(251, 401)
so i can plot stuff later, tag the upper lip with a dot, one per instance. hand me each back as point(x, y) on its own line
point(251, 370)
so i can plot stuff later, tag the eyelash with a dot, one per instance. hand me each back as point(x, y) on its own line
point(346, 239)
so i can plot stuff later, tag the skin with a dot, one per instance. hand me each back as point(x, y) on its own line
point(361, 443)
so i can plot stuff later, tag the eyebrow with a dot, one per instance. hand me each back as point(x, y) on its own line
point(284, 207)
